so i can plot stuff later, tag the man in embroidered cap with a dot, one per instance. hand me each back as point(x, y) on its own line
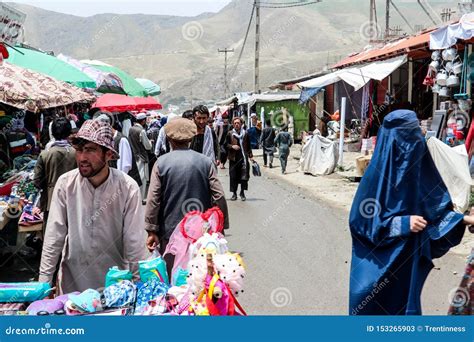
point(140, 146)
point(182, 180)
point(96, 216)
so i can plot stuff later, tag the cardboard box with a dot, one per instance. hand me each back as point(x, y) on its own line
point(362, 163)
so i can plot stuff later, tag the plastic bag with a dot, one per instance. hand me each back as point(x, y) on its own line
point(23, 292)
point(256, 169)
point(155, 267)
point(180, 277)
point(114, 275)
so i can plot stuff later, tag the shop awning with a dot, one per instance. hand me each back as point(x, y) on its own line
point(447, 36)
point(122, 103)
point(25, 89)
point(147, 103)
point(49, 65)
point(106, 82)
point(413, 46)
point(151, 87)
point(269, 98)
point(357, 77)
point(308, 93)
point(131, 86)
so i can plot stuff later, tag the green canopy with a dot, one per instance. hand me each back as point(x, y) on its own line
point(130, 85)
point(151, 87)
point(49, 65)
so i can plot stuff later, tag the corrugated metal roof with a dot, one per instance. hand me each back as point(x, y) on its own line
point(407, 45)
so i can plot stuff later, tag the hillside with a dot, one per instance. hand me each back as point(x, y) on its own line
point(180, 53)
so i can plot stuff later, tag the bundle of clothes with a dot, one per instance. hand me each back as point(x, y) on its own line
point(19, 197)
point(205, 280)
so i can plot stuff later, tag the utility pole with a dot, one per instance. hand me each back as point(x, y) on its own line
point(387, 19)
point(373, 19)
point(257, 47)
point(446, 14)
point(226, 85)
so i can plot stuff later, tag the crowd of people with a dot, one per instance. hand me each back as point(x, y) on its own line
point(115, 189)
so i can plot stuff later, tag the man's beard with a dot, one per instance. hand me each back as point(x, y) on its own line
point(92, 171)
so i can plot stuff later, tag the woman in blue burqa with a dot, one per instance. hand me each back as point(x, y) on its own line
point(401, 219)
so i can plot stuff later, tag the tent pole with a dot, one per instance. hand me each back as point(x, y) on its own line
point(342, 131)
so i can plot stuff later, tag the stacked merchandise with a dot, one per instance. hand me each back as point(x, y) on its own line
point(18, 198)
point(206, 279)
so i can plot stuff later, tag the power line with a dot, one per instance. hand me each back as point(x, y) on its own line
point(256, 6)
point(287, 5)
point(243, 45)
point(226, 85)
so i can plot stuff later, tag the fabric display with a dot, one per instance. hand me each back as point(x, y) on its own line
point(206, 284)
point(120, 294)
point(88, 301)
point(148, 291)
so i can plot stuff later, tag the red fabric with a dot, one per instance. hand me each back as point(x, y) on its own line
point(122, 103)
point(7, 189)
point(115, 103)
point(469, 138)
point(147, 103)
point(205, 216)
point(4, 51)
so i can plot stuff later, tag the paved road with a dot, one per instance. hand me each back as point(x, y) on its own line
point(297, 251)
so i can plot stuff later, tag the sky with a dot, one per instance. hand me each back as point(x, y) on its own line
point(166, 7)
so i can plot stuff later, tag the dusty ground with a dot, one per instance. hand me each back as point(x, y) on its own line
point(335, 190)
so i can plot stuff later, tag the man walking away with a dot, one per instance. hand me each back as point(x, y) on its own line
point(182, 180)
point(140, 146)
point(284, 141)
point(267, 140)
point(222, 130)
point(51, 164)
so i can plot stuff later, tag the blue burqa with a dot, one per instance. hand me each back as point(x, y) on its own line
point(390, 263)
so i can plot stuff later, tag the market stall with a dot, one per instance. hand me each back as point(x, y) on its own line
point(130, 85)
point(46, 64)
point(122, 103)
point(206, 280)
point(106, 82)
point(449, 77)
point(29, 90)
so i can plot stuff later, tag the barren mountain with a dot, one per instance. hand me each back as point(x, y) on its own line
point(180, 53)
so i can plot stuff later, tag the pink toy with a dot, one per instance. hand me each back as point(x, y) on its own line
point(189, 230)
